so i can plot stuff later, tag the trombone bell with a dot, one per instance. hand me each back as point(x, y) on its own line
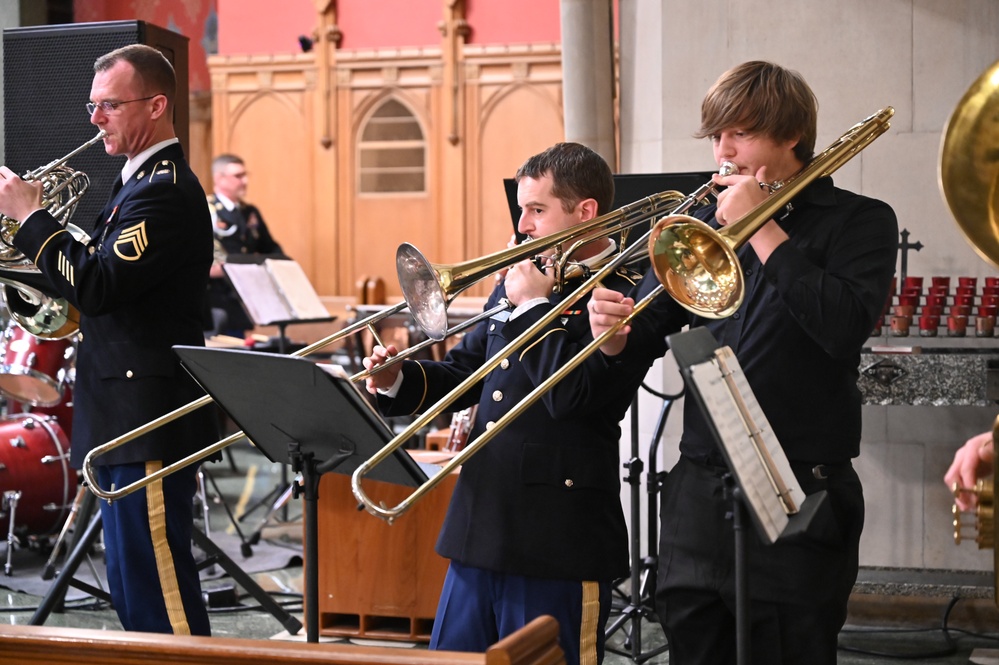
point(424, 289)
point(698, 268)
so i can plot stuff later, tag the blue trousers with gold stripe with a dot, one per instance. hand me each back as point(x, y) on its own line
point(479, 607)
point(151, 570)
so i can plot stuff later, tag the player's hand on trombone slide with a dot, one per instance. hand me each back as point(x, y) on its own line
point(386, 378)
point(530, 279)
point(606, 308)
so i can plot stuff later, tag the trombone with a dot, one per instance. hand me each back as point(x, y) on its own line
point(694, 263)
point(645, 208)
point(90, 475)
point(443, 281)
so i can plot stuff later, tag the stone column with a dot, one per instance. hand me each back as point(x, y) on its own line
point(588, 75)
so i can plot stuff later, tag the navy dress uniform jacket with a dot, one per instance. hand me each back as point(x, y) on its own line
point(542, 498)
point(245, 231)
point(139, 285)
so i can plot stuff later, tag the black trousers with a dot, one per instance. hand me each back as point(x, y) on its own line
point(798, 588)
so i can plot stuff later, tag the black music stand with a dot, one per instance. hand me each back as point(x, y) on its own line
point(697, 347)
point(297, 413)
point(273, 299)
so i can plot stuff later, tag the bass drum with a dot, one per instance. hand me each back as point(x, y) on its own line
point(32, 368)
point(34, 461)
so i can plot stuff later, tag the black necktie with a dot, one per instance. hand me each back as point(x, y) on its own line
point(115, 187)
point(108, 210)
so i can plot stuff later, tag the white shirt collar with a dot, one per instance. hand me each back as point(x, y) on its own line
point(225, 200)
point(593, 260)
point(132, 165)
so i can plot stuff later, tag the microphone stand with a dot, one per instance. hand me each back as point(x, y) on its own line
point(640, 603)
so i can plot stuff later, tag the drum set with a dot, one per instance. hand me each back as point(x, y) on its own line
point(37, 484)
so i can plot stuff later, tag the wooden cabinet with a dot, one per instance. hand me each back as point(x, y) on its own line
point(378, 580)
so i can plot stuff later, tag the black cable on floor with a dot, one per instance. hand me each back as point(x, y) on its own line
point(949, 649)
point(291, 605)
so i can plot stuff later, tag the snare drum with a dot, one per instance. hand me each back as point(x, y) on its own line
point(62, 412)
point(31, 367)
point(34, 460)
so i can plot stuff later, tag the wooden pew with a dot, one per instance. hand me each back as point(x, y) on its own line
point(535, 644)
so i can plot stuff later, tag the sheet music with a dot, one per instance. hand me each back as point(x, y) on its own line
point(294, 285)
point(758, 461)
point(258, 292)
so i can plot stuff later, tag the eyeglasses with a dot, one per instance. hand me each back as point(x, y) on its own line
point(107, 107)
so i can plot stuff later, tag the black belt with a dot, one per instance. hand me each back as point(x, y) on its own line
point(821, 470)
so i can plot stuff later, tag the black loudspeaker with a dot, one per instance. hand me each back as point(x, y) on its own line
point(48, 71)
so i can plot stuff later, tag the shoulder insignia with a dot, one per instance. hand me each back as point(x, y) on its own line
point(132, 242)
point(66, 269)
point(165, 170)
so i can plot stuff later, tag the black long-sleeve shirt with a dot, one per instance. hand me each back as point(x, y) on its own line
point(800, 329)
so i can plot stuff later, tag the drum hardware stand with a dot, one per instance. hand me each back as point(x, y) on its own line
point(10, 499)
point(54, 597)
point(244, 546)
point(640, 602)
point(279, 503)
point(49, 571)
point(81, 544)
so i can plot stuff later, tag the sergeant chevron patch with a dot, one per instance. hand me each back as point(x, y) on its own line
point(132, 242)
point(66, 268)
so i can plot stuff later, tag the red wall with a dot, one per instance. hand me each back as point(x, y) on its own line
point(253, 26)
point(190, 18)
point(513, 21)
point(273, 26)
point(264, 26)
point(389, 23)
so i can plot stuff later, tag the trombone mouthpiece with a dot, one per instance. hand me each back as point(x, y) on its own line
point(727, 168)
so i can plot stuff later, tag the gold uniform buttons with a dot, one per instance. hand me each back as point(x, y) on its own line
point(497, 396)
point(568, 482)
point(490, 425)
point(505, 363)
point(492, 327)
point(128, 374)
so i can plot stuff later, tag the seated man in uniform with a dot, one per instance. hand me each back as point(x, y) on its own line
point(239, 230)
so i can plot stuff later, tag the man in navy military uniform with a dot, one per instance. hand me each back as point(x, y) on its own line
point(239, 230)
point(139, 285)
point(535, 524)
